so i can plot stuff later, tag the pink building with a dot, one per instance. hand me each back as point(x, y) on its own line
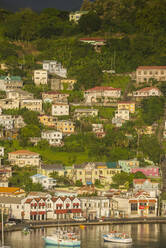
point(148, 171)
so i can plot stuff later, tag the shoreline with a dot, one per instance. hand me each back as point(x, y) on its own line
point(49, 224)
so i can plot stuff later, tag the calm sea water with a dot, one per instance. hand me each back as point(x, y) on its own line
point(144, 235)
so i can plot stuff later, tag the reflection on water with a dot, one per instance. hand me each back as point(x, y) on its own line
point(144, 235)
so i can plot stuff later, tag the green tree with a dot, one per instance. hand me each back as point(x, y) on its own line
point(89, 23)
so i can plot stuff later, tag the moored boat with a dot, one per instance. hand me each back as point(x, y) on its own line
point(117, 238)
point(63, 239)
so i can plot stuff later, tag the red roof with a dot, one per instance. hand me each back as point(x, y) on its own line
point(102, 88)
point(152, 67)
point(148, 89)
point(25, 152)
point(93, 39)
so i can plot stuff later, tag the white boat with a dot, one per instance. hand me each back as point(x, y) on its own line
point(117, 238)
point(64, 240)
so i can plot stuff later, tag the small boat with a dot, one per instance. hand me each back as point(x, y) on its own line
point(62, 239)
point(117, 238)
point(26, 230)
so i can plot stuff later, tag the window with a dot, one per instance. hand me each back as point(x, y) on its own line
point(134, 206)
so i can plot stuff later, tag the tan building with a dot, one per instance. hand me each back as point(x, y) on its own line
point(84, 113)
point(32, 104)
point(127, 106)
point(146, 73)
point(60, 109)
point(47, 120)
point(55, 97)
point(24, 158)
point(101, 94)
point(8, 83)
point(40, 77)
point(19, 94)
point(65, 126)
point(9, 104)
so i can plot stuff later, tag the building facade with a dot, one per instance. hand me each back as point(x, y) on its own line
point(147, 92)
point(85, 113)
point(40, 77)
point(55, 97)
point(24, 158)
point(60, 109)
point(65, 126)
point(101, 94)
point(147, 73)
point(127, 106)
point(32, 104)
point(53, 137)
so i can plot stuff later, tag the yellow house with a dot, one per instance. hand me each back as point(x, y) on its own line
point(127, 105)
point(47, 120)
point(46, 170)
point(65, 126)
point(69, 83)
point(88, 173)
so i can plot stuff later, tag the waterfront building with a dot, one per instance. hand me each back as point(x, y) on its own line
point(95, 207)
point(139, 204)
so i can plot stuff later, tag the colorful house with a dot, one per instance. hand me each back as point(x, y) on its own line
point(127, 106)
point(148, 171)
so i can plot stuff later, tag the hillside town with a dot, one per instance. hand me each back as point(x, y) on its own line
point(82, 135)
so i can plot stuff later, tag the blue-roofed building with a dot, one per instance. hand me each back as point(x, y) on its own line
point(46, 182)
point(8, 83)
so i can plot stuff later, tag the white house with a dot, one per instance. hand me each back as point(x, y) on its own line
point(47, 182)
point(40, 77)
point(60, 109)
point(148, 91)
point(53, 137)
point(95, 207)
point(145, 184)
point(123, 114)
point(2, 151)
point(55, 67)
point(7, 121)
point(101, 94)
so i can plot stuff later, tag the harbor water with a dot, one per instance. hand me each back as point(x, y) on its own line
point(144, 235)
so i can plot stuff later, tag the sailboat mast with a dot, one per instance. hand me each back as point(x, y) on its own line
point(2, 228)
